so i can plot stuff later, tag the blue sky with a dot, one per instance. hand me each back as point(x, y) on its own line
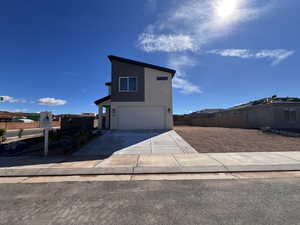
point(53, 54)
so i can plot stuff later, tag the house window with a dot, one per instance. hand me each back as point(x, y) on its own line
point(162, 78)
point(127, 84)
point(290, 115)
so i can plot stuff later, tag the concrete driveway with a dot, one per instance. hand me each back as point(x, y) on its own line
point(136, 142)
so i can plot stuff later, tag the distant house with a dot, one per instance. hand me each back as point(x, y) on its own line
point(16, 116)
point(88, 114)
point(5, 116)
point(22, 120)
point(274, 112)
point(139, 96)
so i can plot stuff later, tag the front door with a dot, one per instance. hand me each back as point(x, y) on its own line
point(103, 123)
point(106, 118)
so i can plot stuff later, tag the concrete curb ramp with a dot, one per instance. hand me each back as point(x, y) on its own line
point(154, 164)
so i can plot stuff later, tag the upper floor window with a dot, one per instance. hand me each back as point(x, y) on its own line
point(162, 78)
point(127, 84)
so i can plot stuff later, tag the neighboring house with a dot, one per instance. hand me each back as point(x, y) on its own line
point(5, 116)
point(23, 120)
point(88, 114)
point(10, 116)
point(274, 112)
point(140, 96)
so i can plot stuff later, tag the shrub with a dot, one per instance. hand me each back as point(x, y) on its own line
point(20, 133)
point(2, 134)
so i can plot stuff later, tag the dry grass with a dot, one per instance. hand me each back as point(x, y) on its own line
point(217, 139)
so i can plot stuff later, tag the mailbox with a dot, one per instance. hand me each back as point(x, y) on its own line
point(45, 120)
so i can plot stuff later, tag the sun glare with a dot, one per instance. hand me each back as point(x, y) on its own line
point(224, 9)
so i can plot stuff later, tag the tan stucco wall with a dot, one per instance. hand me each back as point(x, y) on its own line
point(157, 94)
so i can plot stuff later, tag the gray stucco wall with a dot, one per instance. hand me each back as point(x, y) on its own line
point(122, 69)
point(280, 120)
point(260, 116)
point(269, 115)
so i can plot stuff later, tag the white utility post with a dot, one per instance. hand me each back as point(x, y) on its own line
point(46, 124)
point(46, 144)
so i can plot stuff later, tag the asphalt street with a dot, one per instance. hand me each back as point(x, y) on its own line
point(209, 202)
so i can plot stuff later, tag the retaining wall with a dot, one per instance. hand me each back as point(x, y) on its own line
point(268, 115)
point(20, 125)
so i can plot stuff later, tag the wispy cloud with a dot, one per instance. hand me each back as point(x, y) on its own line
point(42, 101)
point(12, 99)
point(276, 55)
point(51, 101)
point(181, 63)
point(185, 86)
point(166, 43)
point(241, 53)
point(19, 110)
point(189, 25)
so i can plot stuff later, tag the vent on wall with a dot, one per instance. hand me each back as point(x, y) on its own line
point(162, 78)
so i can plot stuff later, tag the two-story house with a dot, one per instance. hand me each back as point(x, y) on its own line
point(140, 96)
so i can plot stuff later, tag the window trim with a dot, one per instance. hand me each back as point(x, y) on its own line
point(128, 77)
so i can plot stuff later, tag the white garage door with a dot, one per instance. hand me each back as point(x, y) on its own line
point(135, 118)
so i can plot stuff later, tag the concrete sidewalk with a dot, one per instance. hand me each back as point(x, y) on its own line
point(152, 164)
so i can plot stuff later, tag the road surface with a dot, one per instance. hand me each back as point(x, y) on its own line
point(208, 202)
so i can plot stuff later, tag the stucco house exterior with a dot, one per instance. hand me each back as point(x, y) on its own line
point(139, 96)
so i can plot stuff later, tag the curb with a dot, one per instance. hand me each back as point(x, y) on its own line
point(145, 170)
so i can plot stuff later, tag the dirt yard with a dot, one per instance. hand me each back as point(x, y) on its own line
point(216, 139)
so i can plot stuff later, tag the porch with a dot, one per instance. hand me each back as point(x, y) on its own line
point(104, 112)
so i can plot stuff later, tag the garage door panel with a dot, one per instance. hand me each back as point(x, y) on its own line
point(141, 118)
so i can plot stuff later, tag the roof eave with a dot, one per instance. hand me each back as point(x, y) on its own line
point(101, 100)
point(130, 61)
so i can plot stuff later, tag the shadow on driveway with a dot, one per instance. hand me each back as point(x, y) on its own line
point(99, 148)
point(127, 142)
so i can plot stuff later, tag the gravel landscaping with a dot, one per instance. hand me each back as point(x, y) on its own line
point(217, 139)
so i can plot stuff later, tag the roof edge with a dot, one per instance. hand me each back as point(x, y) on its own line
point(121, 59)
point(99, 101)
